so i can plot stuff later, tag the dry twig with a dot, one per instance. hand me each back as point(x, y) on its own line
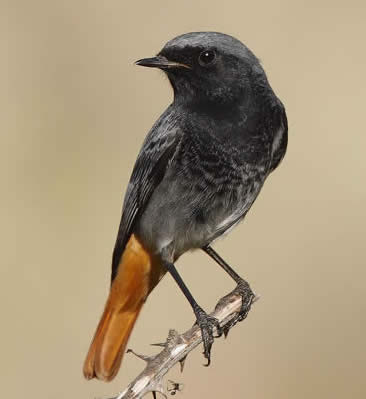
point(177, 347)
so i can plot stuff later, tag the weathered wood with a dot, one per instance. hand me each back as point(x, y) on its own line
point(178, 346)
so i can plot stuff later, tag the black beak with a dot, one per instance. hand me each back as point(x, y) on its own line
point(160, 62)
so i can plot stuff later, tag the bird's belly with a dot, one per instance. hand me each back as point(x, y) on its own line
point(181, 217)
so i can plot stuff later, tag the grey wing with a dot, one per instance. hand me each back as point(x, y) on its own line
point(150, 167)
point(280, 134)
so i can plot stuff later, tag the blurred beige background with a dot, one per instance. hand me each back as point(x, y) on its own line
point(74, 114)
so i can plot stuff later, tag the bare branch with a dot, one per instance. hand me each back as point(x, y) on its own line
point(177, 347)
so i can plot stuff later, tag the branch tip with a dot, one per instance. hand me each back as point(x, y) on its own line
point(177, 347)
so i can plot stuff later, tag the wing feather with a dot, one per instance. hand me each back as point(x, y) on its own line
point(150, 167)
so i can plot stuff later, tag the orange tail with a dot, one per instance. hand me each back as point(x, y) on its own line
point(138, 273)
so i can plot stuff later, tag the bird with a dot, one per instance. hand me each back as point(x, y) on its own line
point(200, 168)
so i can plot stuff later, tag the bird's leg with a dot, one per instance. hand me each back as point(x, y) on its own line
point(204, 321)
point(243, 289)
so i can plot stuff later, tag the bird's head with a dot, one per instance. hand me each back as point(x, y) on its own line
point(207, 67)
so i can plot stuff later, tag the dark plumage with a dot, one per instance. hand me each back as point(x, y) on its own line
point(200, 169)
point(207, 156)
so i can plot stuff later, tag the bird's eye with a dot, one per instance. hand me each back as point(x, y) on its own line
point(207, 57)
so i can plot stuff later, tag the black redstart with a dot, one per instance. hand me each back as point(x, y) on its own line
point(200, 169)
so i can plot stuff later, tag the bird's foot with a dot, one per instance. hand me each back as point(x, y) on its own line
point(207, 323)
point(247, 296)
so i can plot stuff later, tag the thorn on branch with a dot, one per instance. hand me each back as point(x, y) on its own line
point(143, 357)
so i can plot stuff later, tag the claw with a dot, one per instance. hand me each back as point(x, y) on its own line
point(243, 289)
point(208, 361)
point(226, 330)
point(207, 324)
point(182, 363)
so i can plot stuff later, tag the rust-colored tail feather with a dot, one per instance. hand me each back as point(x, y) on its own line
point(138, 273)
